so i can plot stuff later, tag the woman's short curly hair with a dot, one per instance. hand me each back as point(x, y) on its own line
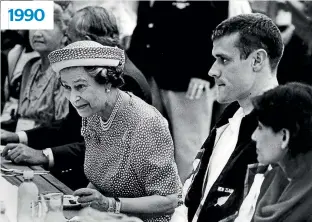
point(288, 106)
point(114, 76)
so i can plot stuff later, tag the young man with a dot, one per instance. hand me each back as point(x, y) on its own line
point(247, 49)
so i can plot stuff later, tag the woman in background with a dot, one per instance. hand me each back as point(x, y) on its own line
point(42, 100)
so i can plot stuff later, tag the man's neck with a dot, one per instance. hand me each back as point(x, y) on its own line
point(262, 86)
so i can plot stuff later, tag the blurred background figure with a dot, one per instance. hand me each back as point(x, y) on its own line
point(41, 99)
point(294, 18)
point(123, 10)
point(296, 64)
point(16, 51)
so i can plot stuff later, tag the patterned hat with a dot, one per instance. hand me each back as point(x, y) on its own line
point(86, 53)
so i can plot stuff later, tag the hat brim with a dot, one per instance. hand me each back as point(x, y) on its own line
point(58, 66)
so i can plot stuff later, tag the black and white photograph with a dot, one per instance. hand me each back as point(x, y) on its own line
point(156, 111)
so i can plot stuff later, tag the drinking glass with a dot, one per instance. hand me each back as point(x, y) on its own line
point(54, 202)
point(38, 211)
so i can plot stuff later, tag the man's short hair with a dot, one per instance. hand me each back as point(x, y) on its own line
point(256, 31)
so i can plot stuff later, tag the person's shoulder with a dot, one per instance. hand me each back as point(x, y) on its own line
point(148, 114)
point(140, 106)
point(271, 174)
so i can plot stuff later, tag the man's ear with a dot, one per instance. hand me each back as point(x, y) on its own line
point(285, 138)
point(258, 59)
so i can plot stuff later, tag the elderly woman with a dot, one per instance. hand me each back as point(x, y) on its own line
point(98, 24)
point(283, 138)
point(42, 99)
point(129, 158)
point(64, 141)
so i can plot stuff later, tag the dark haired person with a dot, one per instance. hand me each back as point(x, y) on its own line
point(247, 49)
point(283, 139)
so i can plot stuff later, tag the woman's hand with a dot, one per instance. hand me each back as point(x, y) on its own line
point(92, 198)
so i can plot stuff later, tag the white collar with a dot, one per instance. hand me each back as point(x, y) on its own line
point(236, 119)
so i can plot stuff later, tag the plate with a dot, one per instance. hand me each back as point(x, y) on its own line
point(70, 201)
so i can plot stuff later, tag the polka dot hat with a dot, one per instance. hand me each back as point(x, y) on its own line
point(86, 53)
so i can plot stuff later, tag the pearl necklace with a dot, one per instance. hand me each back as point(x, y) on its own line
point(106, 125)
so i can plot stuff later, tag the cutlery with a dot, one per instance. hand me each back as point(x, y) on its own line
point(15, 172)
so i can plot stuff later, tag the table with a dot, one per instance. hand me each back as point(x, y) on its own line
point(45, 183)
